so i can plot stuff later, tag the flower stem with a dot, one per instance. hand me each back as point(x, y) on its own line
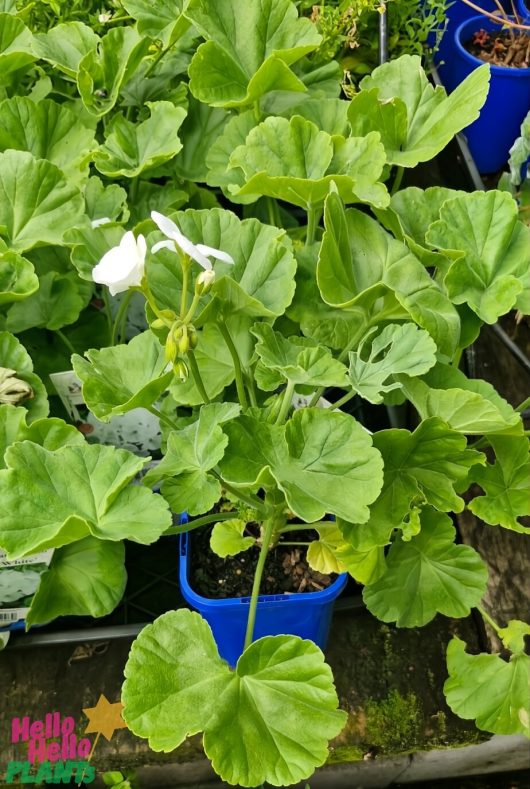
point(286, 403)
point(163, 417)
point(66, 342)
point(198, 522)
point(286, 542)
point(197, 378)
point(241, 392)
point(120, 315)
point(185, 265)
point(264, 550)
point(191, 312)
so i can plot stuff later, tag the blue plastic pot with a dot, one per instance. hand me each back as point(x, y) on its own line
point(523, 10)
point(491, 136)
point(457, 13)
point(306, 615)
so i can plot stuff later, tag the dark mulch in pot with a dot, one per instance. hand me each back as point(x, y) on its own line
point(509, 48)
point(286, 569)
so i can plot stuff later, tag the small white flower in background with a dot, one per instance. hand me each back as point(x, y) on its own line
point(198, 252)
point(122, 267)
point(104, 18)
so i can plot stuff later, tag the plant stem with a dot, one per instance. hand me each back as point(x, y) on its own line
point(273, 212)
point(523, 406)
point(286, 403)
point(295, 527)
point(182, 528)
point(108, 311)
point(249, 498)
point(312, 223)
point(66, 342)
point(185, 265)
point(158, 58)
point(346, 398)
point(241, 393)
point(267, 536)
point(122, 312)
point(163, 418)
point(487, 618)
point(197, 378)
point(191, 312)
point(286, 542)
point(400, 171)
point(251, 389)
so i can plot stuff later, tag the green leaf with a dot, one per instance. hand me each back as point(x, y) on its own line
point(298, 359)
point(122, 377)
point(470, 406)
point(42, 508)
point(14, 356)
point(57, 303)
point(345, 280)
point(411, 213)
point(194, 690)
point(49, 433)
point(332, 554)
point(328, 114)
point(49, 131)
point(428, 575)
point(323, 461)
point(505, 484)
point(489, 690)
point(227, 538)
point(519, 153)
point(249, 50)
point(105, 202)
point(220, 171)
point(37, 205)
point(426, 466)
point(163, 20)
point(88, 245)
point(293, 160)
point(191, 453)
point(17, 277)
point(261, 281)
point(490, 248)
point(104, 70)
point(131, 148)
point(16, 45)
point(397, 349)
point(86, 578)
point(416, 120)
point(513, 635)
point(65, 46)
point(199, 133)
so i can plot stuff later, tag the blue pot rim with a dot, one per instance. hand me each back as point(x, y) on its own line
point(301, 598)
point(488, 24)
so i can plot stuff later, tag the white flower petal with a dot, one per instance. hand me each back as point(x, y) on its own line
point(122, 266)
point(215, 253)
point(167, 226)
point(163, 245)
point(104, 220)
point(190, 249)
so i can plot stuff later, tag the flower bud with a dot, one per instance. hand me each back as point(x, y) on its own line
point(193, 337)
point(12, 389)
point(180, 369)
point(171, 348)
point(204, 282)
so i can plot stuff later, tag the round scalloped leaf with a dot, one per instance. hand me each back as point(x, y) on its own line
point(65, 45)
point(176, 685)
point(16, 44)
point(17, 277)
point(428, 575)
point(489, 690)
point(54, 498)
point(37, 204)
point(123, 377)
point(86, 578)
point(49, 131)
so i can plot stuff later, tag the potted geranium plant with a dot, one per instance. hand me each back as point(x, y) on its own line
point(378, 307)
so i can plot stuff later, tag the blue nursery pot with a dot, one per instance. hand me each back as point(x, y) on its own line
point(457, 13)
point(307, 615)
point(492, 135)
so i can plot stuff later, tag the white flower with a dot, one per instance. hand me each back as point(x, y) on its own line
point(104, 220)
point(198, 252)
point(123, 266)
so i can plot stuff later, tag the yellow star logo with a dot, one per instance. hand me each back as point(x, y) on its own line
point(104, 718)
